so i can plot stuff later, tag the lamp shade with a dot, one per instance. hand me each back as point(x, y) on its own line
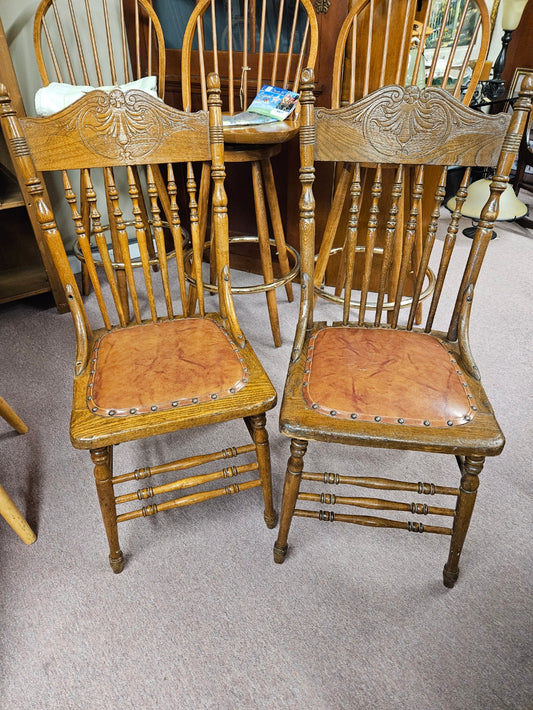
point(512, 13)
point(478, 194)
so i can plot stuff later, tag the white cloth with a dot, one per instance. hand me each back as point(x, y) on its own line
point(55, 97)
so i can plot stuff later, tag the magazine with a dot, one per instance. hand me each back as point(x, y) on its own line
point(275, 102)
point(270, 105)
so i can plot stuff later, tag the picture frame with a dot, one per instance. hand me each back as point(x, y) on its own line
point(515, 84)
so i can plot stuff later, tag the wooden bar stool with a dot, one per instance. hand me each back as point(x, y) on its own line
point(8, 509)
point(262, 42)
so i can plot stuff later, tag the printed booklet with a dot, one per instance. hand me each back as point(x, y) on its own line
point(271, 104)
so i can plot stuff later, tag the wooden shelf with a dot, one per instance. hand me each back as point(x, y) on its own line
point(22, 282)
point(10, 194)
point(26, 267)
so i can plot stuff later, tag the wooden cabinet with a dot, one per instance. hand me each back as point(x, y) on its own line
point(26, 268)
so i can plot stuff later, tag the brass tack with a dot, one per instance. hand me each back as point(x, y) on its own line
point(232, 390)
point(468, 418)
point(213, 396)
point(459, 372)
point(195, 400)
point(174, 404)
point(94, 409)
point(401, 420)
point(449, 422)
point(353, 415)
point(377, 419)
point(111, 412)
point(91, 384)
point(333, 412)
point(315, 406)
point(474, 409)
point(427, 422)
point(245, 380)
point(132, 410)
point(153, 408)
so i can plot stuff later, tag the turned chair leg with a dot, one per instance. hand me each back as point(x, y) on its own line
point(277, 224)
point(14, 518)
point(103, 471)
point(291, 487)
point(264, 249)
point(471, 467)
point(257, 426)
point(12, 417)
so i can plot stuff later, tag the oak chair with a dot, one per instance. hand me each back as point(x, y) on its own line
point(377, 46)
point(86, 43)
point(100, 43)
point(361, 379)
point(266, 42)
point(162, 369)
point(8, 509)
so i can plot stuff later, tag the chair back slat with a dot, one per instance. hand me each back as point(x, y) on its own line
point(429, 240)
point(447, 250)
point(98, 42)
point(124, 36)
point(391, 238)
point(351, 240)
point(159, 238)
point(53, 54)
point(248, 45)
point(110, 52)
point(195, 238)
point(385, 143)
point(369, 245)
point(261, 45)
point(408, 242)
point(82, 233)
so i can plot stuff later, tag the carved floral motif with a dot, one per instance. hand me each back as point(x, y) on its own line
point(402, 120)
point(120, 125)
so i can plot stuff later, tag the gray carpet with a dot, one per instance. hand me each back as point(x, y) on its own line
point(201, 617)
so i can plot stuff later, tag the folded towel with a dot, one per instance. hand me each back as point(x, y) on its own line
point(55, 97)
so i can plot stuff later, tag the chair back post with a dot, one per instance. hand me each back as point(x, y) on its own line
point(13, 132)
point(489, 213)
point(307, 224)
point(218, 175)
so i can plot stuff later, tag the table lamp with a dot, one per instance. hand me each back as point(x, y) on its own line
point(478, 194)
point(511, 15)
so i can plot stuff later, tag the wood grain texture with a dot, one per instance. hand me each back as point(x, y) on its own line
point(155, 366)
point(370, 380)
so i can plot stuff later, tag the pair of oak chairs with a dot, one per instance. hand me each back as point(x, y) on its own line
point(382, 373)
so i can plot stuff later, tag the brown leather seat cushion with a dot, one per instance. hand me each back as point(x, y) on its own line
point(163, 365)
point(388, 376)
